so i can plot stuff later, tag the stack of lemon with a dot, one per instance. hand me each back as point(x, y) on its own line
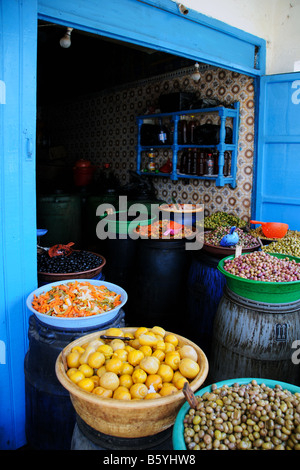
point(146, 364)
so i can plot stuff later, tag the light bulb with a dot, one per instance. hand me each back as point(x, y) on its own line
point(196, 74)
point(65, 41)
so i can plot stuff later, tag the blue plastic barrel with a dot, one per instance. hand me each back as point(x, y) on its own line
point(49, 414)
point(205, 290)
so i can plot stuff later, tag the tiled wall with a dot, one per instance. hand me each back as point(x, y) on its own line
point(102, 128)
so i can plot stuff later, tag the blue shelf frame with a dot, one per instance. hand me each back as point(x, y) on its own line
point(224, 113)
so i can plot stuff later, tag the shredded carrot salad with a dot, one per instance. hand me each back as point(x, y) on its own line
point(76, 299)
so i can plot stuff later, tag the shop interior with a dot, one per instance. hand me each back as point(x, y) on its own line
point(88, 98)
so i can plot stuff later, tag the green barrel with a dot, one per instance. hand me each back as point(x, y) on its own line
point(60, 214)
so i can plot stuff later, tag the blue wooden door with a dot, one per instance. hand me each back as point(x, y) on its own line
point(277, 191)
point(18, 23)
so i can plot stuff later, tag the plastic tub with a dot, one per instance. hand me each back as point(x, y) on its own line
point(84, 322)
point(268, 292)
point(178, 429)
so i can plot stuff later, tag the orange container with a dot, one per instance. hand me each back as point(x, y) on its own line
point(272, 229)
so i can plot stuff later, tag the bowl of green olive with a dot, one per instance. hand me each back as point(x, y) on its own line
point(240, 414)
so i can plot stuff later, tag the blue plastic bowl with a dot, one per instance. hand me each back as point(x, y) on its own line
point(84, 322)
point(178, 429)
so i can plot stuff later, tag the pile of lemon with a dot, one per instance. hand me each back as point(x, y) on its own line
point(150, 365)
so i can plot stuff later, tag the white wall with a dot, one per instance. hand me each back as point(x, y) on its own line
point(276, 21)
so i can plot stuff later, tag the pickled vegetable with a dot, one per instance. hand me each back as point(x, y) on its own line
point(246, 240)
point(260, 266)
point(223, 219)
point(244, 417)
point(147, 364)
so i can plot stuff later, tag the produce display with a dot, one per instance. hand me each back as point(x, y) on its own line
point(146, 364)
point(287, 246)
point(261, 266)
point(215, 236)
point(76, 299)
point(222, 219)
point(244, 417)
point(77, 261)
point(161, 229)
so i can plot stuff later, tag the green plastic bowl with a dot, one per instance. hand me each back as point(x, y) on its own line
point(178, 428)
point(260, 291)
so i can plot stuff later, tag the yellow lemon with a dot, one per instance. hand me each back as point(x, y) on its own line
point(87, 370)
point(166, 372)
point(114, 332)
point(188, 351)
point(86, 384)
point(77, 376)
point(139, 331)
point(103, 392)
point(117, 344)
point(109, 380)
point(139, 376)
point(96, 360)
point(73, 359)
point(148, 339)
point(121, 354)
point(189, 368)
point(155, 380)
point(169, 347)
point(114, 365)
point(71, 371)
point(79, 349)
point(126, 380)
point(126, 368)
point(172, 359)
point(106, 349)
point(135, 343)
point(146, 350)
point(159, 354)
point(161, 345)
point(179, 383)
point(168, 389)
point(170, 338)
point(177, 375)
point(150, 364)
point(138, 390)
point(95, 379)
point(152, 395)
point(135, 357)
point(101, 371)
point(158, 330)
point(122, 393)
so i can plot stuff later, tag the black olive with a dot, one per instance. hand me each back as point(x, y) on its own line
point(75, 262)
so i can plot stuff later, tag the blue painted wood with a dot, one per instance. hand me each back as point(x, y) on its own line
point(160, 25)
point(277, 188)
point(154, 24)
point(17, 215)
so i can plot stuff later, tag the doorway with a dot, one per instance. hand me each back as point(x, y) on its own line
point(151, 24)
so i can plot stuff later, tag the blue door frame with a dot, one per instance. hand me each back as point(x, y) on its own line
point(152, 23)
